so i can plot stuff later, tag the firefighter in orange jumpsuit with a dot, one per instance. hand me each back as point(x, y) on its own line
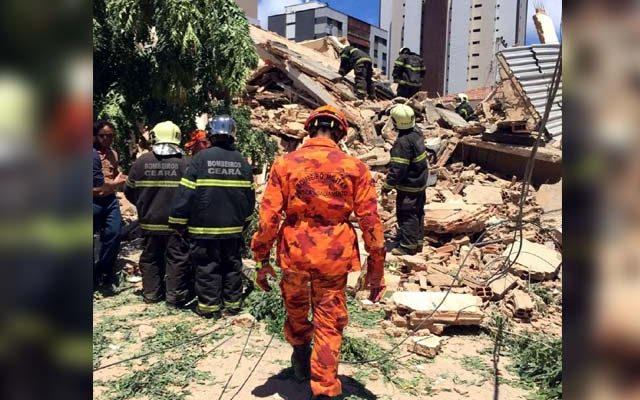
point(318, 187)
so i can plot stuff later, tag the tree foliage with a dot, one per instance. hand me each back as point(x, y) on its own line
point(167, 59)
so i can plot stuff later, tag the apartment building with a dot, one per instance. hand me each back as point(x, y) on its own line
point(461, 37)
point(402, 19)
point(313, 20)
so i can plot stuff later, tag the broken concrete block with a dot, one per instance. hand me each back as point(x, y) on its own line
point(243, 320)
point(501, 286)
point(438, 279)
point(428, 346)
point(400, 322)
point(481, 194)
point(520, 304)
point(456, 309)
point(414, 263)
point(535, 261)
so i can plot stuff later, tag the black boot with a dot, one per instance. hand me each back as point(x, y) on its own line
point(301, 361)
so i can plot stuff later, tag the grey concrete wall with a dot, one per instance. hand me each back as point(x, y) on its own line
point(277, 24)
point(458, 46)
point(305, 24)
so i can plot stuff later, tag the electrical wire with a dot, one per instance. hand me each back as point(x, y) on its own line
point(519, 220)
point(254, 367)
point(244, 348)
point(173, 346)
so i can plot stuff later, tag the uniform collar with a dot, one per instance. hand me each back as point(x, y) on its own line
point(320, 141)
point(167, 149)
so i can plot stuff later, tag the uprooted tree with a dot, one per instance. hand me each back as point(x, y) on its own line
point(156, 60)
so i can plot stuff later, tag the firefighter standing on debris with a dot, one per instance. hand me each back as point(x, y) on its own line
point(152, 184)
point(408, 72)
point(464, 109)
point(318, 187)
point(356, 59)
point(215, 201)
point(408, 172)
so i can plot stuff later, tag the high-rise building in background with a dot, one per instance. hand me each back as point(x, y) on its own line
point(403, 20)
point(250, 8)
point(460, 39)
point(313, 20)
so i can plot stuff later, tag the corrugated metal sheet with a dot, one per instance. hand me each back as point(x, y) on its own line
point(532, 67)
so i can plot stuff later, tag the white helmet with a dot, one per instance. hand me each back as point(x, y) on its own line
point(462, 98)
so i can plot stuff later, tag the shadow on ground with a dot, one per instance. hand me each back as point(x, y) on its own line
point(284, 385)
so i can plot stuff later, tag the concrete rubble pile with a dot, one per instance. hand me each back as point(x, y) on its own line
point(465, 200)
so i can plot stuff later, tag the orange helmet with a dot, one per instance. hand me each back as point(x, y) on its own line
point(199, 141)
point(327, 113)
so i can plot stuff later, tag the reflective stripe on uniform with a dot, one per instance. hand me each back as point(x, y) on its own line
point(187, 183)
point(208, 308)
point(130, 183)
point(409, 246)
point(214, 231)
point(387, 186)
point(157, 184)
point(410, 189)
point(180, 221)
point(399, 160)
point(363, 59)
point(224, 183)
point(412, 68)
point(407, 83)
point(420, 157)
point(232, 304)
point(158, 228)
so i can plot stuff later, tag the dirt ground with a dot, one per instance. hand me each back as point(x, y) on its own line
point(125, 327)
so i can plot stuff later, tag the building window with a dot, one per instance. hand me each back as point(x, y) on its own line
point(375, 53)
point(476, 42)
point(474, 67)
point(497, 18)
point(478, 5)
point(384, 57)
point(477, 18)
point(474, 79)
point(476, 30)
point(475, 55)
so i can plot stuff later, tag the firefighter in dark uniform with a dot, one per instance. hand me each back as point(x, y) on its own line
point(464, 109)
point(356, 59)
point(153, 182)
point(408, 72)
point(215, 201)
point(408, 172)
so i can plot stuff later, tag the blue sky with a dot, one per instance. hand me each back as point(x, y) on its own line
point(369, 11)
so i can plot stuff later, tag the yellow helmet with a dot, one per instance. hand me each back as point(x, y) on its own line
point(165, 132)
point(403, 116)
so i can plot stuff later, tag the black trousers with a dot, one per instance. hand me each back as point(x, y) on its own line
point(218, 273)
point(363, 80)
point(407, 91)
point(410, 213)
point(166, 255)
